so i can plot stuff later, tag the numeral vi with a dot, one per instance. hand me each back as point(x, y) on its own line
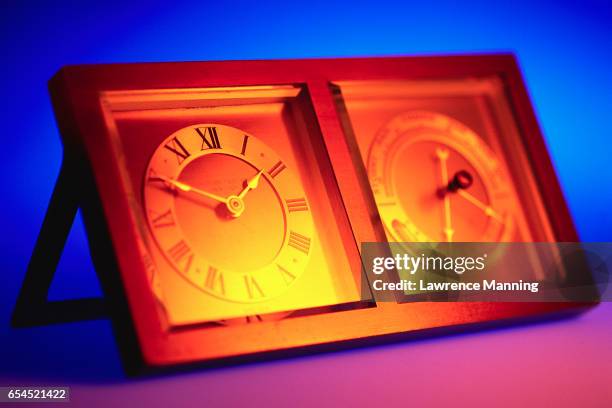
point(252, 287)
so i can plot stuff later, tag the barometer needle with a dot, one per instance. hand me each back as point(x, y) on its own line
point(485, 208)
point(443, 157)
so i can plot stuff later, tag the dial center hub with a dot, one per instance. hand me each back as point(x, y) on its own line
point(235, 206)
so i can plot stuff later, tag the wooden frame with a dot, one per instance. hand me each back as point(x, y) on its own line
point(76, 90)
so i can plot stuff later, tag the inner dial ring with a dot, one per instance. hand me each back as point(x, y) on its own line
point(413, 158)
point(227, 213)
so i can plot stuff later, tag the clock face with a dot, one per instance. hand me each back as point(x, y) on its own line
point(227, 213)
point(435, 180)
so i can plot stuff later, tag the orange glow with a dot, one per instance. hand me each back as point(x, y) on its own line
point(483, 176)
point(416, 138)
point(238, 224)
point(411, 163)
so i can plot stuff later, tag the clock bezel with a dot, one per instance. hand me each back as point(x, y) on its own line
point(281, 187)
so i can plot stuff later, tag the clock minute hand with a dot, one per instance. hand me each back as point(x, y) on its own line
point(190, 189)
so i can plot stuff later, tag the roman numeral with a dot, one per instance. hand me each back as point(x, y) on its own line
point(176, 147)
point(287, 276)
point(148, 263)
point(297, 204)
point(277, 168)
point(244, 144)
point(254, 319)
point(181, 252)
point(299, 242)
point(214, 280)
point(164, 219)
point(209, 137)
point(252, 287)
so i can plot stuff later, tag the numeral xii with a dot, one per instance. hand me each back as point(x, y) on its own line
point(209, 136)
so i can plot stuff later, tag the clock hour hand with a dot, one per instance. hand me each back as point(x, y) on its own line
point(190, 189)
point(250, 184)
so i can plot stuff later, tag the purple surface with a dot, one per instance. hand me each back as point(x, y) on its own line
point(563, 48)
point(564, 363)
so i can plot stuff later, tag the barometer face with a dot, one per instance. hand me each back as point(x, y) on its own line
point(436, 180)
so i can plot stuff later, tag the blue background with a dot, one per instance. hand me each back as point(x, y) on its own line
point(563, 48)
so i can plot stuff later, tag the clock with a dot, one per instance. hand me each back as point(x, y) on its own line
point(232, 210)
point(227, 204)
point(227, 213)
